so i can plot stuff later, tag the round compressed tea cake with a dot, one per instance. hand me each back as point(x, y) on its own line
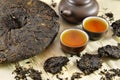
point(27, 27)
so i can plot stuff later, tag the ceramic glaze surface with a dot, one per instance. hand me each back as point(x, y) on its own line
point(74, 11)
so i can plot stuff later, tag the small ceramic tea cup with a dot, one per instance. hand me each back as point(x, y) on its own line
point(73, 41)
point(95, 26)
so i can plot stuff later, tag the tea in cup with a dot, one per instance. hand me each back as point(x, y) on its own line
point(95, 26)
point(73, 41)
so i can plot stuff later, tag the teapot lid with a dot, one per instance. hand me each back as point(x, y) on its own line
point(79, 2)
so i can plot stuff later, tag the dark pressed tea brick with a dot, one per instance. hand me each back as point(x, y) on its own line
point(89, 63)
point(54, 64)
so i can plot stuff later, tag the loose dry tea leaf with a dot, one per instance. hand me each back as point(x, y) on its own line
point(27, 27)
point(20, 72)
point(110, 74)
point(54, 64)
point(107, 15)
point(76, 75)
point(23, 73)
point(110, 51)
point(116, 27)
point(28, 62)
point(58, 77)
point(34, 74)
point(89, 63)
point(110, 16)
point(53, 3)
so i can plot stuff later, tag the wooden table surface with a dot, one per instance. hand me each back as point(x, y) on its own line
point(55, 49)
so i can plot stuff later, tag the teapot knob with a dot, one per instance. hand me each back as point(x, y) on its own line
point(79, 2)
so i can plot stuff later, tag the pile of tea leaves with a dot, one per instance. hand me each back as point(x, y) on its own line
point(109, 74)
point(22, 73)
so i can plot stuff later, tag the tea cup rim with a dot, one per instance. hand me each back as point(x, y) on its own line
point(87, 37)
point(95, 17)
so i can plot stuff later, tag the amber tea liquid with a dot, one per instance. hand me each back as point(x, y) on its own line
point(95, 25)
point(73, 38)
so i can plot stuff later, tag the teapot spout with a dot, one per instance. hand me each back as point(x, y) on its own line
point(66, 13)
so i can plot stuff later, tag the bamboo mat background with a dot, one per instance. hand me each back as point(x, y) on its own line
point(55, 50)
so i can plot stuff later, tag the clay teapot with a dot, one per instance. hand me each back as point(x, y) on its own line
point(74, 11)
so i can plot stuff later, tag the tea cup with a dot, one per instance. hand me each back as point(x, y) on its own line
point(95, 27)
point(73, 41)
